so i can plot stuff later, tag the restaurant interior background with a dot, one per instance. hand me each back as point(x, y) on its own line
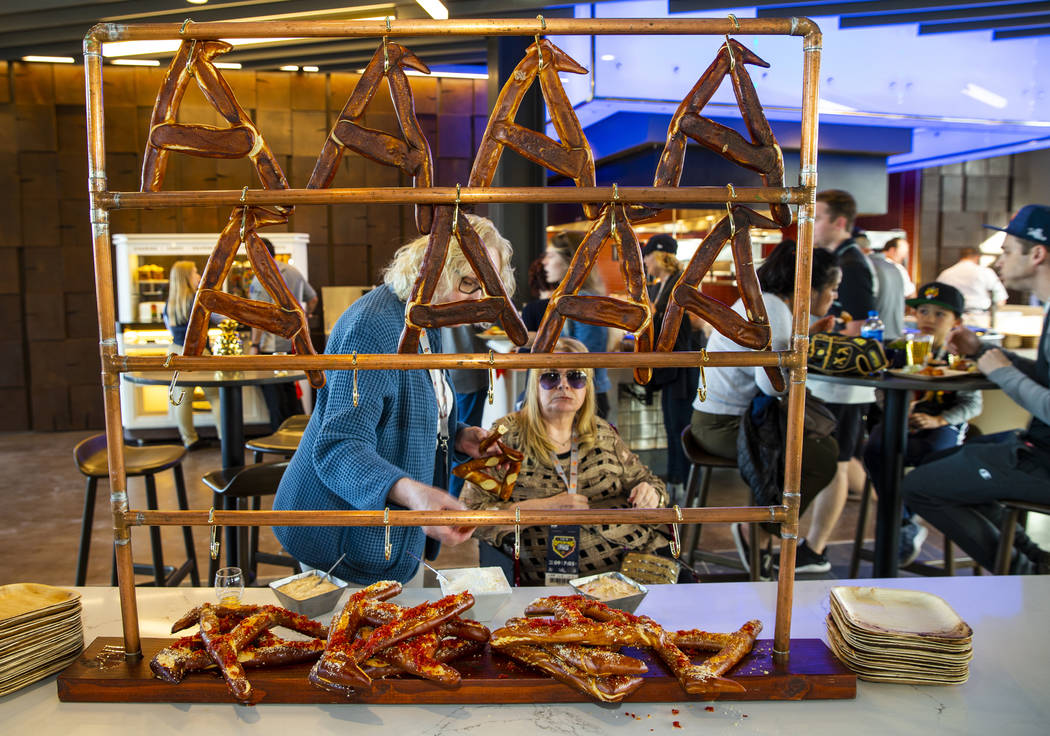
point(934, 114)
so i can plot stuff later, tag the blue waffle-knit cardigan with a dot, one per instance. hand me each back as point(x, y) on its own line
point(349, 457)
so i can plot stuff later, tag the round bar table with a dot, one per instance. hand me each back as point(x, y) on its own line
point(894, 436)
point(231, 399)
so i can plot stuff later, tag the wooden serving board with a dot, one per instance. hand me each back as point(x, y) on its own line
point(813, 672)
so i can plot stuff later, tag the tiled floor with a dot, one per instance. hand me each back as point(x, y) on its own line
point(45, 494)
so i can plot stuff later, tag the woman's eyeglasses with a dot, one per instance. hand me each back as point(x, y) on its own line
point(469, 285)
point(550, 380)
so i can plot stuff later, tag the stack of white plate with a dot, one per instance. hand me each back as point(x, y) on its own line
point(905, 636)
point(40, 632)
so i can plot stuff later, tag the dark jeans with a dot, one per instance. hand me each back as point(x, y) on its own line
point(677, 416)
point(282, 402)
point(918, 447)
point(958, 492)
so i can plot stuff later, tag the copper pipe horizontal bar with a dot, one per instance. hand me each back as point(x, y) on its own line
point(386, 361)
point(447, 195)
point(466, 27)
point(705, 515)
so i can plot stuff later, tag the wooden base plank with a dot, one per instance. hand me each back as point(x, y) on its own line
point(812, 673)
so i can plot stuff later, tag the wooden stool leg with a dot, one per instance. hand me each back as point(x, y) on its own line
point(187, 531)
point(154, 531)
point(253, 538)
point(949, 558)
point(258, 456)
point(862, 523)
point(86, 521)
point(1006, 542)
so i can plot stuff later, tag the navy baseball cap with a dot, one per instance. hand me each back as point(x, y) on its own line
point(1032, 223)
point(941, 294)
point(662, 242)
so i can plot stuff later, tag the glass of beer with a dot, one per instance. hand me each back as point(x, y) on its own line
point(229, 585)
point(918, 349)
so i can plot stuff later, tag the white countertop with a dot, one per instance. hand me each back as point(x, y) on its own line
point(1006, 692)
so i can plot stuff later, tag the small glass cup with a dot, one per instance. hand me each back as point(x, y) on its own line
point(918, 349)
point(229, 585)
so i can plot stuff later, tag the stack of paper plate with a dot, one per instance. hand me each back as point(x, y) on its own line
point(40, 632)
point(906, 636)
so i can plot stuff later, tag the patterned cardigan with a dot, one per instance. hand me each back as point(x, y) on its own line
point(350, 456)
point(607, 473)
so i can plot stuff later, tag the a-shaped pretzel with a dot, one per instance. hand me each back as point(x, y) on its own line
point(495, 306)
point(240, 139)
point(410, 153)
point(572, 157)
point(634, 314)
point(751, 331)
point(473, 471)
point(285, 317)
point(582, 621)
point(761, 154)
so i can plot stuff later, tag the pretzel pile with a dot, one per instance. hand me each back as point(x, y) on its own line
point(473, 471)
point(578, 647)
point(233, 637)
point(371, 639)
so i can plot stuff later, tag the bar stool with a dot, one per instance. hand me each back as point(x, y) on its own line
point(232, 487)
point(93, 461)
point(1016, 513)
point(696, 488)
point(284, 441)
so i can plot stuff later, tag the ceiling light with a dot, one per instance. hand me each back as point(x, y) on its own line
point(983, 95)
point(608, 57)
point(289, 68)
point(136, 48)
point(436, 75)
point(310, 69)
point(196, 2)
point(828, 107)
point(50, 59)
point(434, 8)
point(226, 65)
point(136, 62)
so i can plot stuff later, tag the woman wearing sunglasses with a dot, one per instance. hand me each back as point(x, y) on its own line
point(573, 460)
point(384, 438)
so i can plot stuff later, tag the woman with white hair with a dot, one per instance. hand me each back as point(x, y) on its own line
point(574, 459)
point(393, 449)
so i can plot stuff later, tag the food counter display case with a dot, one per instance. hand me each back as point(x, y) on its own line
point(142, 264)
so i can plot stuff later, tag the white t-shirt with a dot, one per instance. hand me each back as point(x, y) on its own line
point(975, 282)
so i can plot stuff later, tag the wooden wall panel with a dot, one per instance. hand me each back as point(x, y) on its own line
point(50, 407)
point(81, 315)
point(11, 222)
point(5, 83)
point(456, 138)
point(12, 367)
point(36, 127)
point(276, 129)
point(74, 226)
point(309, 130)
point(8, 129)
point(45, 316)
point(308, 91)
point(15, 416)
point(148, 81)
point(273, 91)
point(33, 84)
point(10, 274)
point(85, 406)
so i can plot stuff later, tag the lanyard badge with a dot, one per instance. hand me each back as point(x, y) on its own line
point(563, 540)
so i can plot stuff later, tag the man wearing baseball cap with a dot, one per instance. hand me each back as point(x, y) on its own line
point(959, 492)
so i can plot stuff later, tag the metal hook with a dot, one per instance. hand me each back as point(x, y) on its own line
point(543, 22)
point(676, 542)
point(189, 59)
point(167, 361)
point(386, 55)
point(732, 221)
point(455, 214)
point(732, 58)
point(184, 24)
point(492, 377)
point(244, 193)
point(387, 23)
point(355, 395)
point(736, 23)
point(213, 547)
point(732, 191)
point(387, 546)
point(171, 392)
point(701, 390)
point(539, 51)
point(517, 533)
point(244, 222)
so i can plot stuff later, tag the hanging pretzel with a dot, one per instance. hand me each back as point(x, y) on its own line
point(751, 331)
point(762, 154)
point(240, 139)
point(410, 153)
point(473, 471)
point(494, 306)
point(634, 314)
point(572, 157)
point(284, 317)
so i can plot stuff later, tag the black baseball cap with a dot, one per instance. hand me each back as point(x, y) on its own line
point(941, 294)
point(1032, 223)
point(662, 242)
